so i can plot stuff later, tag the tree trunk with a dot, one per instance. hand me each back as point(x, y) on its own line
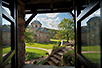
point(67, 38)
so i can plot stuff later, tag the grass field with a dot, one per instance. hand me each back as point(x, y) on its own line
point(6, 50)
point(90, 48)
point(44, 45)
point(34, 53)
point(93, 57)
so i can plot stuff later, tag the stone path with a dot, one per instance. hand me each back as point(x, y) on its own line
point(48, 50)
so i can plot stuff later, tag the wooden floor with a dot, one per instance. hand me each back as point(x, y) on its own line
point(44, 66)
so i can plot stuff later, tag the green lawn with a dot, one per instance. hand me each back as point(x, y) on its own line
point(34, 53)
point(6, 50)
point(93, 57)
point(44, 45)
point(90, 48)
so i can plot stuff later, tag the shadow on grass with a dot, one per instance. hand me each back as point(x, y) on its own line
point(51, 42)
point(32, 55)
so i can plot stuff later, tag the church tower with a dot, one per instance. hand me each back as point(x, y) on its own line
point(36, 24)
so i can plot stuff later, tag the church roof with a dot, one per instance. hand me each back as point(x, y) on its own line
point(42, 30)
point(5, 29)
point(36, 21)
point(93, 18)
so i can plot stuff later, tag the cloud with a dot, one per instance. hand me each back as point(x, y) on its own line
point(47, 20)
point(57, 19)
point(52, 15)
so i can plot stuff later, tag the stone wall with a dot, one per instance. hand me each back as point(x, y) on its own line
point(21, 30)
point(6, 37)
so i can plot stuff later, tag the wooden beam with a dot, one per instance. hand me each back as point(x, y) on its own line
point(51, 11)
point(45, 1)
point(30, 18)
point(61, 5)
point(72, 14)
point(88, 10)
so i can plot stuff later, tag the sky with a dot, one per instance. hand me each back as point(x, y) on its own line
point(50, 20)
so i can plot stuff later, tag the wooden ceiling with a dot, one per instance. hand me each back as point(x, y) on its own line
point(51, 6)
point(48, 6)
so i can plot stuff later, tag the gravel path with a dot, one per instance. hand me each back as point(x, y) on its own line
point(90, 51)
point(48, 50)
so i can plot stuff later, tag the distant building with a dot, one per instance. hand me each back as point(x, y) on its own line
point(6, 34)
point(90, 34)
point(41, 34)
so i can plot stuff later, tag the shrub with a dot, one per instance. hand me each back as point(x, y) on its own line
point(39, 63)
point(35, 62)
point(69, 58)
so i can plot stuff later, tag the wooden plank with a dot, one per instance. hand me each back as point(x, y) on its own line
point(54, 60)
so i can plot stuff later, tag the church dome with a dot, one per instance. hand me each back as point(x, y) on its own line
point(36, 21)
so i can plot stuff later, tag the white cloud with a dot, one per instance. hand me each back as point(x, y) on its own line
point(47, 20)
point(52, 25)
point(96, 13)
point(57, 19)
point(51, 14)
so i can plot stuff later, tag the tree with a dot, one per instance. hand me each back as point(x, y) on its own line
point(28, 36)
point(58, 36)
point(66, 26)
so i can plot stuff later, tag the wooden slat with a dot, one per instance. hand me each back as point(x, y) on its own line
point(54, 60)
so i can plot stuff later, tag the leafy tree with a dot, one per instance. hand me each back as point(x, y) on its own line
point(58, 36)
point(28, 36)
point(66, 26)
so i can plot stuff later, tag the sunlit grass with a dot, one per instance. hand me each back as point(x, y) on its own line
point(53, 42)
point(6, 50)
point(90, 48)
point(34, 53)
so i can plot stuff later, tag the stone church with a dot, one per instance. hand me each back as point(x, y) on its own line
point(41, 34)
point(90, 34)
point(6, 34)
